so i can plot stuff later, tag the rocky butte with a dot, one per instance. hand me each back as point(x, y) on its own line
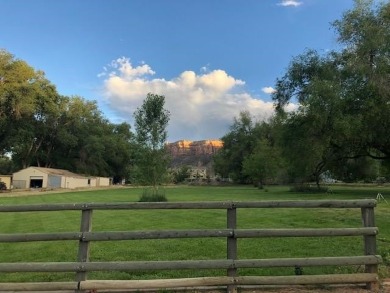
point(193, 153)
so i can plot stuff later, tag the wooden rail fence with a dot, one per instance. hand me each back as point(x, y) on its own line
point(82, 266)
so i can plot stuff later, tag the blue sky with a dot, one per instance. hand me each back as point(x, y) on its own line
point(210, 58)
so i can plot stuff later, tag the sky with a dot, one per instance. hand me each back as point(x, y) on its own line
point(211, 59)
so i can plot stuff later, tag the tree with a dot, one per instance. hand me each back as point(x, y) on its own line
point(119, 147)
point(237, 144)
point(250, 153)
point(344, 101)
point(40, 127)
point(181, 174)
point(306, 149)
point(19, 85)
point(32, 134)
point(365, 33)
point(361, 169)
point(263, 163)
point(152, 160)
point(6, 165)
point(93, 145)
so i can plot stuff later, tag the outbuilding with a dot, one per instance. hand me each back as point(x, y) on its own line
point(39, 177)
point(7, 179)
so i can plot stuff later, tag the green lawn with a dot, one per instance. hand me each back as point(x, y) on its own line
point(211, 248)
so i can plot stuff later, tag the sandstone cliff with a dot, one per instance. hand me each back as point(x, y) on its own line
point(193, 153)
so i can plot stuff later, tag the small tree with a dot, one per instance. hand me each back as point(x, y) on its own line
point(181, 174)
point(152, 160)
point(237, 144)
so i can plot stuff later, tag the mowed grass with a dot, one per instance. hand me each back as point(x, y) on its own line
point(183, 249)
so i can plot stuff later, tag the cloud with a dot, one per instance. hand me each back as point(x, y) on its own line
point(290, 3)
point(268, 90)
point(202, 105)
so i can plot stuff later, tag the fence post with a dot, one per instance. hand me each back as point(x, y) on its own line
point(83, 253)
point(232, 244)
point(368, 219)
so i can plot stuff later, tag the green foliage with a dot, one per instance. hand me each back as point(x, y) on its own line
point(250, 153)
point(40, 127)
point(263, 164)
point(151, 156)
point(6, 165)
point(364, 169)
point(20, 87)
point(384, 170)
point(308, 188)
point(153, 195)
point(385, 254)
point(344, 107)
point(151, 121)
point(181, 174)
point(237, 144)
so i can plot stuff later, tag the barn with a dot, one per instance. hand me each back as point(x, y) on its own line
point(38, 177)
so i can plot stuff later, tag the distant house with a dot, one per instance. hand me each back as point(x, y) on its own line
point(197, 174)
point(38, 177)
point(7, 179)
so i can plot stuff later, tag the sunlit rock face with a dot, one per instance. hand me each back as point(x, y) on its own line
point(193, 153)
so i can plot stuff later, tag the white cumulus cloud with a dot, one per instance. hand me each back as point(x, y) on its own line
point(290, 3)
point(268, 90)
point(202, 105)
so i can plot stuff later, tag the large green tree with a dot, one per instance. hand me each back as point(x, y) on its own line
point(32, 134)
point(91, 144)
point(152, 159)
point(343, 97)
point(250, 153)
point(39, 127)
point(365, 33)
point(20, 87)
point(311, 136)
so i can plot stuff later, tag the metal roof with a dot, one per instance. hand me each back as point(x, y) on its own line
point(58, 172)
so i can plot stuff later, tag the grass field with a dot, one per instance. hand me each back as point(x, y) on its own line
point(202, 248)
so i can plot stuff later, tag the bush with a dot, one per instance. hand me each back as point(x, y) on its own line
point(380, 180)
point(308, 188)
point(153, 195)
point(181, 174)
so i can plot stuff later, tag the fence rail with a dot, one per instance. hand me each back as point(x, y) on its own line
point(82, 266)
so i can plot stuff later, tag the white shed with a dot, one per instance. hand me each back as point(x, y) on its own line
point(38, 177)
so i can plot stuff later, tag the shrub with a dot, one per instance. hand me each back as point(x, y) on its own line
point(153, 195)
point(308, 188)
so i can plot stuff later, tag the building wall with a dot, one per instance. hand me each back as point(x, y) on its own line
point(7, 180)
point(103, 181)
point(73, 182)
point(198, 173)
point(22, 178)
point(92, 182)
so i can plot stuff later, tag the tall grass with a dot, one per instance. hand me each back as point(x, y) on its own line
point(182, 249)
point(153, 195)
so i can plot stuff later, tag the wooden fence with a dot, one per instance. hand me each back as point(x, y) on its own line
point(82, 266)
